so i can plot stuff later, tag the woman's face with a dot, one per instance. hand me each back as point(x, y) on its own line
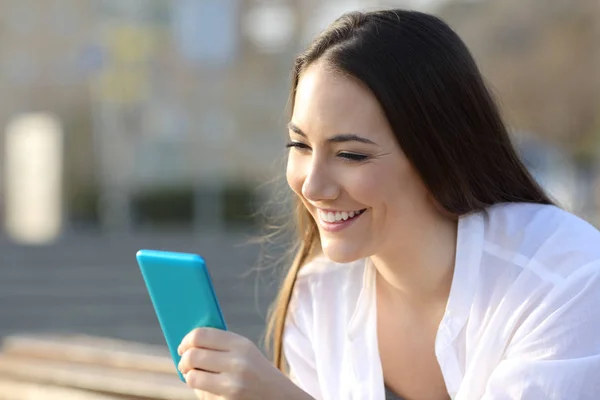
point(348, 169)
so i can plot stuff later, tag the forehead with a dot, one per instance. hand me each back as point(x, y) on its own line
point(329, 102)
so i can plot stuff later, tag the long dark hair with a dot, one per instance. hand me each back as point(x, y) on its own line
point(439, 108)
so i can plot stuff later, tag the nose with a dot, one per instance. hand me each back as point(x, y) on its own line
point(319, 183)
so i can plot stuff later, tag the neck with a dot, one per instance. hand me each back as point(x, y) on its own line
point(419, 270)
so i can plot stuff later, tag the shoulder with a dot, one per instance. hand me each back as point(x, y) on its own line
point(538, 281)
point(519, 216)
point(545, 239)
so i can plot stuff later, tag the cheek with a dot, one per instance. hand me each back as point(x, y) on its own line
point(389, 189)
point(367, 187)
point(406, 194)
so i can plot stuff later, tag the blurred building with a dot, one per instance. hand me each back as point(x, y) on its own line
point(185, 96)
point(47, 59)
point(542, 60)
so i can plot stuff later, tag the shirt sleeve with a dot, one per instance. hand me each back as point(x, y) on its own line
point(555, 354)
point(298, 350)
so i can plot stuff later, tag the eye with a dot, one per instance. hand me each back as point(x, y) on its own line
point(297, 145)
point(353, 156)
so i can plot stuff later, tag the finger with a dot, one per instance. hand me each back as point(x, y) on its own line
point(204, 359)
point(217, 384)
point(208, 338)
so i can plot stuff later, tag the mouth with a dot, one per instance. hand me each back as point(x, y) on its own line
point(332, 217)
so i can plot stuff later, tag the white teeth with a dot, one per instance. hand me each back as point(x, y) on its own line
point(338, 215)
point(323, 216)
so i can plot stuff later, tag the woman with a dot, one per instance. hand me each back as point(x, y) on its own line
point(430, 265)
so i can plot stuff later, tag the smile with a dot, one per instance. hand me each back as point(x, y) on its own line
point(333, 217)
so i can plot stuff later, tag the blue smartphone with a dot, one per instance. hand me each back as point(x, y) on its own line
point(182, 295)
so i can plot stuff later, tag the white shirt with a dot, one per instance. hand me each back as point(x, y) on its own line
point(522, 320)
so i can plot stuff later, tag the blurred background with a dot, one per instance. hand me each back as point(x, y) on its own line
point(131, 124)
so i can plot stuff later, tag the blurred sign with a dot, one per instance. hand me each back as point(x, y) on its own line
point(128, 49)
point(206, 31)
point(33, 176)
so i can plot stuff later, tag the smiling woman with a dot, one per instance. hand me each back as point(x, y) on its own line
point(429, 263)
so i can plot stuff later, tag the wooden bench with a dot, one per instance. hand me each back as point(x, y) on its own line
point(76, 367)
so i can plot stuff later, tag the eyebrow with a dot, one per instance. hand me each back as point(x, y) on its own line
point(341, 138)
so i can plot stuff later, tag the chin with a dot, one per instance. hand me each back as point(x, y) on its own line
point(342, 253)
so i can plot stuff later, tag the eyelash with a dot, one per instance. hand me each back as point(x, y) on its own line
point(351, 157)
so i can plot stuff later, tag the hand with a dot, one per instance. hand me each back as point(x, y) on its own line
point(222, 363)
